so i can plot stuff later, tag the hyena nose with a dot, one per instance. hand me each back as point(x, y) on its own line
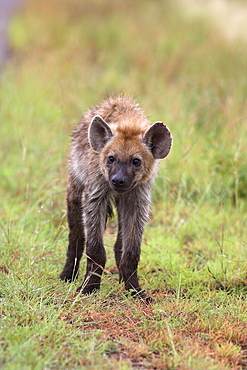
point(118, 180)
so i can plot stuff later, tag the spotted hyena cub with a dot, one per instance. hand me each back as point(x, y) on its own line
point(114, 158)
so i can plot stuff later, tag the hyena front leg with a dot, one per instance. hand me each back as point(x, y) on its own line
point(95, 216)
point(76, 233)
point(133, 213)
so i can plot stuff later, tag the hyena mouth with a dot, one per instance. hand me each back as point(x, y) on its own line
point(122, 189)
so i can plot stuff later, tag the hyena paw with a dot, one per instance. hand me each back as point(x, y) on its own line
point(142, 296)
point(69, 277)
point(88, 289)
point(149, 300)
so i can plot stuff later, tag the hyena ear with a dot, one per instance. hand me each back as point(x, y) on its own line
point(99, 133)
point(159, 140)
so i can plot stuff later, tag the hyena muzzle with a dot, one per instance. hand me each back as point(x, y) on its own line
point(114, 159)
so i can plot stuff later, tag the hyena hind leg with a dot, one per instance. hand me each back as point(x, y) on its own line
point(118, 247)
point(76, 236)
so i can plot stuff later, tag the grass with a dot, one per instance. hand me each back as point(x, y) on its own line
point(66, 56)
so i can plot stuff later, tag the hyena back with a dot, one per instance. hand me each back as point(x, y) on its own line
point(114, 157)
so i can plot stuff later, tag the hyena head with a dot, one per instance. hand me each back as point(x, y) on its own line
point(128, 156)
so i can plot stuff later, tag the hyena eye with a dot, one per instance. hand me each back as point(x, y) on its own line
point(111, 159)
point(136, 162)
